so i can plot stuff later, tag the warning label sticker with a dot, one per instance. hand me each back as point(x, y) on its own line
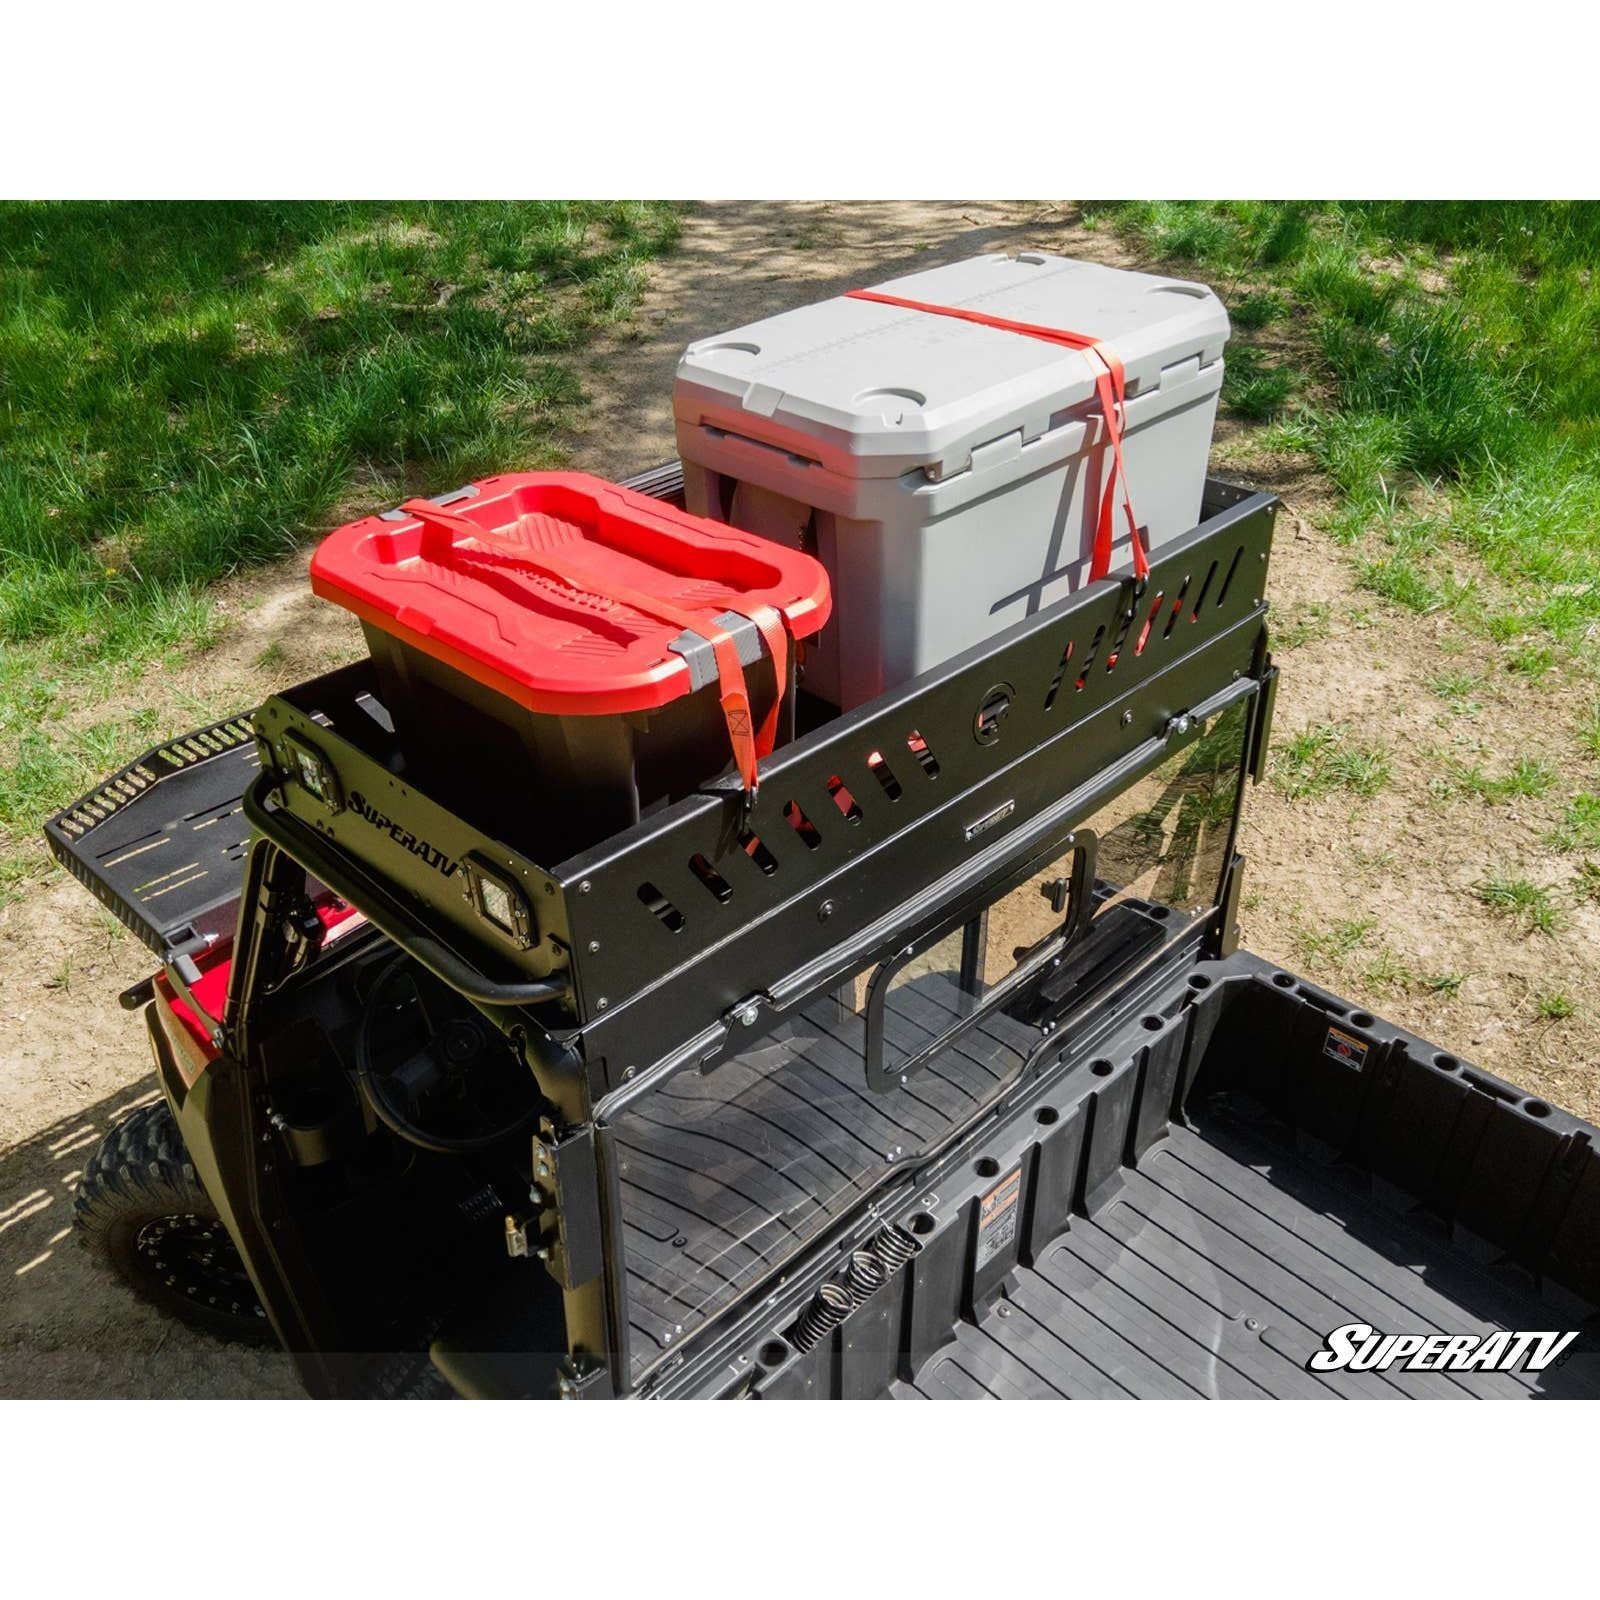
point(998, 1213)
point(1342, 1046)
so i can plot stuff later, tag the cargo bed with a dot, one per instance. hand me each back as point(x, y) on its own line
point(1214, 1181)
point(1215, 1272)
point(724, 1177)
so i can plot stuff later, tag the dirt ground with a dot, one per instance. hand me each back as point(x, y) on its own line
point(71, 1062)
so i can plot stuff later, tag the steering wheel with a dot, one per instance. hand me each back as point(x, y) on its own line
point(464, 1076)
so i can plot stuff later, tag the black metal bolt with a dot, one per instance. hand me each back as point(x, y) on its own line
point(824, 911)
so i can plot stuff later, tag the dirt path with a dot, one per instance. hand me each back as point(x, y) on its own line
point(71, 1062)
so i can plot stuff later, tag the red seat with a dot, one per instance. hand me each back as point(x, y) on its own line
point(212, 989)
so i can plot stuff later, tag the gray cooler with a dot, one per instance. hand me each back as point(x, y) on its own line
point(948, 474)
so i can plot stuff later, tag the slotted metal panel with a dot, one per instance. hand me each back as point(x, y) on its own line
point(692, 911)
point(160, 842)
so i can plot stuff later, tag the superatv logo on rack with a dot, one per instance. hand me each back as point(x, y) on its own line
point(1358, 1348)
point(404, 837)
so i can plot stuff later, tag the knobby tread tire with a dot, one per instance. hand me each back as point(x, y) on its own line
point(139, 1175)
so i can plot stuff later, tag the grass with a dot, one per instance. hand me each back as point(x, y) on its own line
point(1371, 860)
point(1448, 381)
point(191, 388)
point(1334, 946)
point(1531, 660)
point(1258, 310)
point(1459, 690)
point(1579, 828)
point(188, 390)
point(1253, 385)
point(1387, 971)
point(1528, 903)
point(1331, 944)
point(15, 875)
point(1405, 581)
point(1525, 779)
point(1589, 730)
point(1326, 758)
point(1554, 1006)
point(1301, 624)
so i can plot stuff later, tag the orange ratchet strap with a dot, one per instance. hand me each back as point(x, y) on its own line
point(749, 743)
point(1108, 384)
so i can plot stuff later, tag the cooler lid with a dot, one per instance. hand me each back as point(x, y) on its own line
point(873, 390)
point(550, 632)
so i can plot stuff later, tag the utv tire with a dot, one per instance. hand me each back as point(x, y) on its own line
point(140, 1210)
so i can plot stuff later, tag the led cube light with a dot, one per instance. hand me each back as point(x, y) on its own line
point(498, 901)
point(314, 772)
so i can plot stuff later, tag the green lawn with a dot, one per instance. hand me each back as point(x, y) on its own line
point(186, 390)
point(1441, 363)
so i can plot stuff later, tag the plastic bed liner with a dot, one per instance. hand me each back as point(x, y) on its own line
point(1216, 1272)
point(726, 1177)
point(1226, 1166)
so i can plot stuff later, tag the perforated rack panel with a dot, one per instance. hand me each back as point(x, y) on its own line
point(701, 907)
point(160, 842)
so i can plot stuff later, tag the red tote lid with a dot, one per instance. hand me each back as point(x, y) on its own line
point(558, 641)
